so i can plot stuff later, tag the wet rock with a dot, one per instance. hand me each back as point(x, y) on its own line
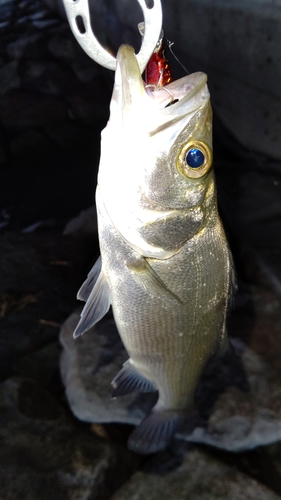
point(42, 453)
point(239, 397)
point(198, 476)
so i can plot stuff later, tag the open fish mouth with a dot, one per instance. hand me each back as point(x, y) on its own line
point(184, 88)
point(159, 104)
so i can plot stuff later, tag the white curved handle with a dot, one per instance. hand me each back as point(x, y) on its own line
point(78, 10)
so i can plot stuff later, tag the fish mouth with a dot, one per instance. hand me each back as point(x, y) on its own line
point(178, 91)
point(159, 104)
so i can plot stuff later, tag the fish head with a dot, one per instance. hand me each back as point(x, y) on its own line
point(155, 176)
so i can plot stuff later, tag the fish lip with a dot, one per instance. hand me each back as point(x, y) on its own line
point(132, 95)
point(129, 86)
point(181, 89)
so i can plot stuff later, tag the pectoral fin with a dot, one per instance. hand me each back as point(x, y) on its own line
point(145, 275)
point(96, 306)
point(88, 285)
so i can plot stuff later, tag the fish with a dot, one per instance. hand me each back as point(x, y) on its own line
point(165, 266)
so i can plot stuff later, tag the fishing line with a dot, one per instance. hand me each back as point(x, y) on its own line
point(170, 44)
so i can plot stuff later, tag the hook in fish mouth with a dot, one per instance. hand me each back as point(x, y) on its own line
point(78, 15)
point(178, 98)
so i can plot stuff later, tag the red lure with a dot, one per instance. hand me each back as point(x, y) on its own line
point(158, 71)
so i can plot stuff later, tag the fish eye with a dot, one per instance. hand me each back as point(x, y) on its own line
point(195, 159)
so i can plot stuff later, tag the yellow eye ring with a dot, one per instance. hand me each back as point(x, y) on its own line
point(195, 159)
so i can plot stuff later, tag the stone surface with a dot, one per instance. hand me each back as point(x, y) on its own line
point(43, 454)
point(84, 224)
point(199, 476)
point(88, 366)
point(45, 75)
point(40, 274)
point(239, 398)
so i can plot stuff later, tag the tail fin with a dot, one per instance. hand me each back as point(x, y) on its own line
point(155, 432)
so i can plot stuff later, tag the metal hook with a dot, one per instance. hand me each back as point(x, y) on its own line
point(78, 11)
point(156, 88)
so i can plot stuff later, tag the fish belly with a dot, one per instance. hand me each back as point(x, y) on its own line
point(169, 337)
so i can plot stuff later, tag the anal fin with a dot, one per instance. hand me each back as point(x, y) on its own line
point(129, 380)
point(155, 432)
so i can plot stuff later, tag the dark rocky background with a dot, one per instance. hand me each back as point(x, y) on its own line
point(53, 103)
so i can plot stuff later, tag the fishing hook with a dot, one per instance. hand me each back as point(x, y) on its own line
point(156, 87)
point(78, 15)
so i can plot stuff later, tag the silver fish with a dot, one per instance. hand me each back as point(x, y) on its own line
point(165, 265)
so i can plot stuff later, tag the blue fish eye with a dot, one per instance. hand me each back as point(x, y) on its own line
point(195, 158)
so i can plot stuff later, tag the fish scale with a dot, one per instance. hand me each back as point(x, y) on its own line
point(144, 335)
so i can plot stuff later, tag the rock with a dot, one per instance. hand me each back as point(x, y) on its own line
point(7, 7)
point(198, 476)
point(40, 274)
point(15, 50)
point(32, 146)
point(43, 453)
point(56, 5)
point(23, 108)
point(41, 365)
point(273, 457)
point(62, 48)
point(88, 365)
point(84, 224)
point(9, 77)
point(239, 397)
